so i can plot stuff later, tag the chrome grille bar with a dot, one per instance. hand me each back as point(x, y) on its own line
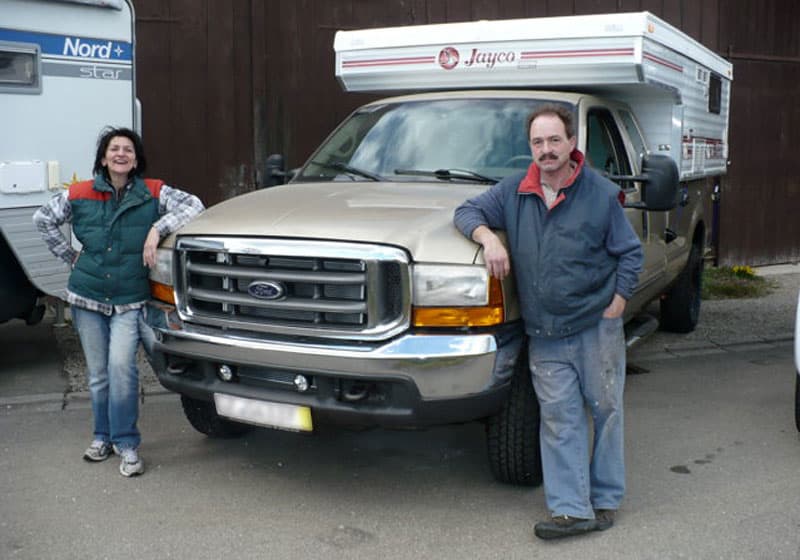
point(324, 289)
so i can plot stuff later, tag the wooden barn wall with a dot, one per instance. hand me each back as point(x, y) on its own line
point(224, 83)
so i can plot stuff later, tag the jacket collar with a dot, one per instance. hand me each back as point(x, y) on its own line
point(532, 182)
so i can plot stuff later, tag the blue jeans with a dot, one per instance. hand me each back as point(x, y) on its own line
point(109, 346)
point(571, 375)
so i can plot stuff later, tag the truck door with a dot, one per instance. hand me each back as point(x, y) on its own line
point(606, 151)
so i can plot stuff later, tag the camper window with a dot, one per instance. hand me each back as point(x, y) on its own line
point(715, 94)
point(19, 68)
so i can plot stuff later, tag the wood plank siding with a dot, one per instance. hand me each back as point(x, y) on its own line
point(224, 83)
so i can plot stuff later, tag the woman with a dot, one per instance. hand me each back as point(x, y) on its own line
point(119, 218)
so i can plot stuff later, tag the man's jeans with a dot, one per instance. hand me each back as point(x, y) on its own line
point(585, 370)
point(109, 346)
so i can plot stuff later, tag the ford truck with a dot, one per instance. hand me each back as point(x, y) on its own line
point(348, 296)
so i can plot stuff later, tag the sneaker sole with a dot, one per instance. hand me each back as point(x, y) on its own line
point(96, 458)
point(129, 474)
point(580, 528)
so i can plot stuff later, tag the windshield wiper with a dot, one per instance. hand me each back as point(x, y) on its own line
point(339, 166)
point(448, 174)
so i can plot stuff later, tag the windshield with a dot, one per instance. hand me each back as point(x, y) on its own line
point(457, 140)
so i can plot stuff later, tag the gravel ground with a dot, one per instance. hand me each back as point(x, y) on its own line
point(722, 323)
point(736, 321)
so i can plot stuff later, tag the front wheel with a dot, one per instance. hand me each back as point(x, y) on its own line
point(512, 434)
point(680, 307)
point(203, 417)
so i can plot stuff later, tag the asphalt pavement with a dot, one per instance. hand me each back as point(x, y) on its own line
point(711, 449)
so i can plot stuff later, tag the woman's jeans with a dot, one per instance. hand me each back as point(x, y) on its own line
point(571, 375)
point(109, 346)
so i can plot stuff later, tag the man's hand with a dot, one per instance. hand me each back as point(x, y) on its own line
point(494, 253)
point(150, 246)
point(616, 308)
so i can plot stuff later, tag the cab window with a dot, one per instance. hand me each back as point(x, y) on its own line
point(605, 149)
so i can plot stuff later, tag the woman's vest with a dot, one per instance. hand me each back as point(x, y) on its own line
point(110, 268)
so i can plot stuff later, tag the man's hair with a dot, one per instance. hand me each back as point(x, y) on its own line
point(557, 110)
point(106, 135)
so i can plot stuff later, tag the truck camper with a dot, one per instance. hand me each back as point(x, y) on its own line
point(66, 71)
point(348, 296)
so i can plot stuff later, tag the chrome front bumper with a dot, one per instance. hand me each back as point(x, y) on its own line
point(442, 366)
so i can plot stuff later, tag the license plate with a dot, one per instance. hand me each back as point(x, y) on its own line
point(262, 413)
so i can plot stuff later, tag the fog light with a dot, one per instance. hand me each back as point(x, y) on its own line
point(225, 372)
point(301, 383)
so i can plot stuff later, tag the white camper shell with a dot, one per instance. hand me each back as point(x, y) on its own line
point(678, 89)
point(66, 71)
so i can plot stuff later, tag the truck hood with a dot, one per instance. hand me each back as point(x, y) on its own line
point(415, 216)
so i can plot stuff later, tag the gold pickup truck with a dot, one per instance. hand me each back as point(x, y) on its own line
point(348, 296)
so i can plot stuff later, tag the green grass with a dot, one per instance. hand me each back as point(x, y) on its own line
point(734, 283)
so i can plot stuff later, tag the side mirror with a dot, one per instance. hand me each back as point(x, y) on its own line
point(275, 171)
point(659, 180)
point(660, 188)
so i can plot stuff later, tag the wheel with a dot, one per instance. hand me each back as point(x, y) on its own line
point(512, 435)
point(797, 401)
point(203, 417)
point(680, 307)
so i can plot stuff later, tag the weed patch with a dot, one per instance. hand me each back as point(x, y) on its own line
point(735, 283)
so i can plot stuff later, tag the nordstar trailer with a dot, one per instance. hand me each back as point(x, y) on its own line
point(66, 71)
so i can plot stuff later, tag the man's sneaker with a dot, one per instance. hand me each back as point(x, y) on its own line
point(98, 451)
point(564, 526)
point(605, 518)
point(131, 464)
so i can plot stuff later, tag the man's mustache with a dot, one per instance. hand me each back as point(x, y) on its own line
point(544, 157)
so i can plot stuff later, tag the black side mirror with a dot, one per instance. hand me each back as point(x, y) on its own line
point(275, 171)
point(660, 188)
point(659, 180)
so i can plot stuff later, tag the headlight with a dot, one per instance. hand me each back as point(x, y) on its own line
point(456, 296)
point(161, 277)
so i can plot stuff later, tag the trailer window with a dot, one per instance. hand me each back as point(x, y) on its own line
point(19, 68)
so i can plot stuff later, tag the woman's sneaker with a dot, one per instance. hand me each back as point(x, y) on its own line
point(97, 451)
point(131, 464)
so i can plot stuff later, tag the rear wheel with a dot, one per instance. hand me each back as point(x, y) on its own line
point(203, 417)
point(513, 433)
point(680, 307)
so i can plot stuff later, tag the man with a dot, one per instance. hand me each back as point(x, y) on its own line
point(576, 261)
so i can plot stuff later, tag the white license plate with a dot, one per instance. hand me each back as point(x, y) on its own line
point(262, 413)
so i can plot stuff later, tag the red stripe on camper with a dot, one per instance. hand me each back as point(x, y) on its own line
point(527, 55)
point(388, 61)
point(662, 62)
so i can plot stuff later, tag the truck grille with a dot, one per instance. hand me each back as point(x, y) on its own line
point(290, 287)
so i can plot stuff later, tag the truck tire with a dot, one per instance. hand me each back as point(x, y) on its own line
point(680, 306)
point(203, 417)
point(512, 435)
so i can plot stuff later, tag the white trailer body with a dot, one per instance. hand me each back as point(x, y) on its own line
point(678, 89)
point(66, 71)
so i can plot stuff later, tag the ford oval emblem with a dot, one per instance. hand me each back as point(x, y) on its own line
point(266, 289)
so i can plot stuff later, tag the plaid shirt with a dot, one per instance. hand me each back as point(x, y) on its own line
point(176, 208)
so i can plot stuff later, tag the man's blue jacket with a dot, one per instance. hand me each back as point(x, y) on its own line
point(569, 260)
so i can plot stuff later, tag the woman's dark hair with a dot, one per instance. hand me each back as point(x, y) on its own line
point(104, 140)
